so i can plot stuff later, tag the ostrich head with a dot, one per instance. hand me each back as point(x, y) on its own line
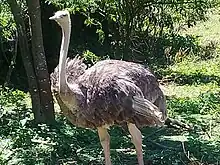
point(62, 18)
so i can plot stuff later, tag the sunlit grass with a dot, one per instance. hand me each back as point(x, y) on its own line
point(207, 31)
point(189, 91)
point(205, 67)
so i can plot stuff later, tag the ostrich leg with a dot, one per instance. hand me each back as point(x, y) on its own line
point(105, 142)
point(137, 140)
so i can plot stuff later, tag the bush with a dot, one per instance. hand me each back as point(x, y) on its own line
point(140, 30)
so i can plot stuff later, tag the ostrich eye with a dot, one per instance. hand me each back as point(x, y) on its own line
point(63, 15)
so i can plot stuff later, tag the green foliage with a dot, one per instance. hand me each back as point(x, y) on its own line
point(194, 88)
point(7, 24)
point(76, 5)
point(9, 97)
point(206, 103)
point(141, 29)
point(90, 57)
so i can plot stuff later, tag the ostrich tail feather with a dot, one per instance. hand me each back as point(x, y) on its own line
point(147, 109)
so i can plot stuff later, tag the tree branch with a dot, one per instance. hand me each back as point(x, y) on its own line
point(177, 124)
point(13, 60)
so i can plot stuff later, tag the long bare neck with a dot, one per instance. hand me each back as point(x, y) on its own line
point(66, 31)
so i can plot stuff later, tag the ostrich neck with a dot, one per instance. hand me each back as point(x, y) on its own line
point(66, 30)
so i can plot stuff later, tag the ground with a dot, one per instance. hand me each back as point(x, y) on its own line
point(193, 97)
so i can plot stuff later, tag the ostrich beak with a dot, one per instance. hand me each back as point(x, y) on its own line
point(52, 18)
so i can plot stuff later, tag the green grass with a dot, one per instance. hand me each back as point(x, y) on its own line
point(207, 31)
point(207, 67)
point(192, 88)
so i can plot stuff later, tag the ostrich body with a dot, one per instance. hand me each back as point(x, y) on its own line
point(110, 92)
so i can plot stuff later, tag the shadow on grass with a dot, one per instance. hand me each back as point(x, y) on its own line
point(66, 144)
point(167, 148)
point(184, 79)
point(196, 78)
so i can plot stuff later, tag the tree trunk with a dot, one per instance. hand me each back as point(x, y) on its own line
point(25, 53)
point(40, 65)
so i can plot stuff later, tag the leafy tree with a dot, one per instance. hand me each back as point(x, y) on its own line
point(141, 28)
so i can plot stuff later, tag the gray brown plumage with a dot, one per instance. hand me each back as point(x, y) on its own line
point(74, 68)
point(108, 89)
point(110, 92)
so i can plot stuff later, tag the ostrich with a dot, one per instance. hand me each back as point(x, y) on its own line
point(111, 92)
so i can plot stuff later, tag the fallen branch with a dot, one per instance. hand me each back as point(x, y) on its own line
point(207, 133)
point(124, 150)
point(43, 142)
point(177, 124)
point(186, 153)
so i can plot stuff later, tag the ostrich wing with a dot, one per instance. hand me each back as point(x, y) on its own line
point(74, 68)
point(139, 106)
point(114, 97)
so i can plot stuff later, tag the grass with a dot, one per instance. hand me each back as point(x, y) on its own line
point(207, 31)
point(193, 97)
